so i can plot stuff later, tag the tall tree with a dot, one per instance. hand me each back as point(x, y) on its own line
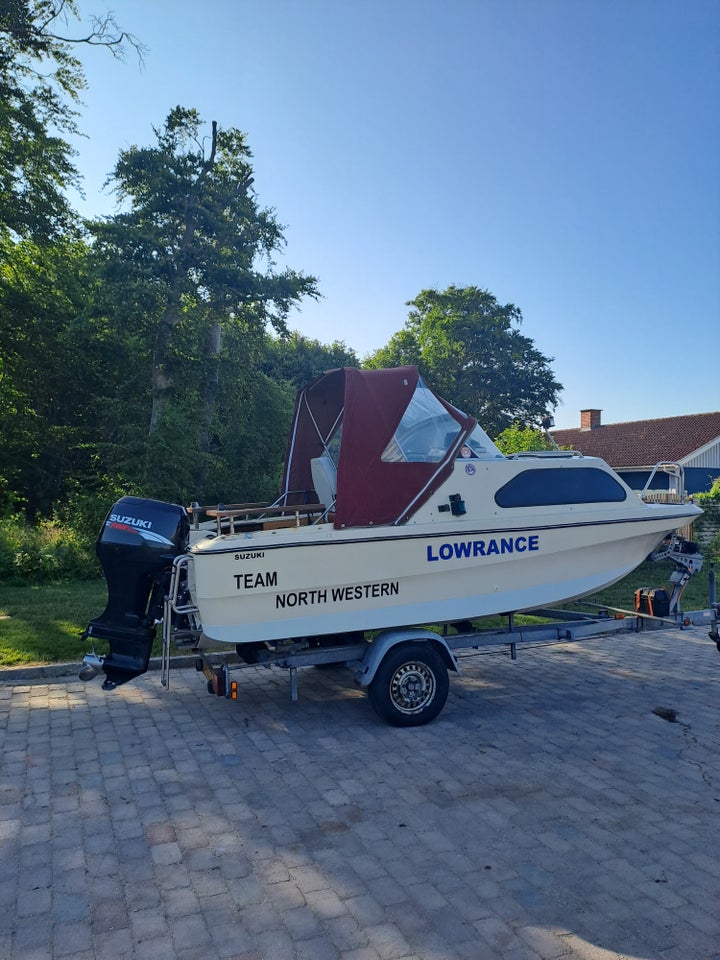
point(470, 349)
point(41, 81)
point(190, 255)
point(47, 379)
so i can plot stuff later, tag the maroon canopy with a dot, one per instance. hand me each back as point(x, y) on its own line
point(353, 415)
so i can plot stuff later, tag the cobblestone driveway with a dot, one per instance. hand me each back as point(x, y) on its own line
point(547, 813)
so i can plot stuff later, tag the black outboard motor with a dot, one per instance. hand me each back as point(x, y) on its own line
point(136, 547)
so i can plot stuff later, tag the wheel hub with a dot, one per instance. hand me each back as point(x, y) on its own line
point(412, 687)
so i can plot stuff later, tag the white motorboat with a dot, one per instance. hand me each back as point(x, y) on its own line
point(396, 509)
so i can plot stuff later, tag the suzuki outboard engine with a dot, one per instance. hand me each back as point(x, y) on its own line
point(136, 547)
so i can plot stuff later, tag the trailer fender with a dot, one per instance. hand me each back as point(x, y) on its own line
point(387, 639)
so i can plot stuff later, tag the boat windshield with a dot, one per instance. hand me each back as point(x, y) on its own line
point(482, 446)
point(427, 430)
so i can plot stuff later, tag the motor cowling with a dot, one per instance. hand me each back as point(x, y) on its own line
point(136, 547)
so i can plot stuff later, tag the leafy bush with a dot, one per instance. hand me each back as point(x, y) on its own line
point(706, 527)
point(709, 496)
point(46, 551)
point(712, 551)
point(86, 504)
point(516, 439)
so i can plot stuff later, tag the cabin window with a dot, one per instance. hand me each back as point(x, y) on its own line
point(481, 445)
point(551, 487)
point(425, 431)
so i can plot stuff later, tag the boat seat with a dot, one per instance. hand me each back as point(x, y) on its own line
point(324, 477)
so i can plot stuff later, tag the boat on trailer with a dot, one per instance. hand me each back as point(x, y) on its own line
point(397, 510)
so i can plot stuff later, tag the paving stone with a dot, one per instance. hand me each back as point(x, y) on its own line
point(301, 923)
point(275, 945)
point(319, 948)
point(71, 939)
point(387, 941)
point(345, 932)
point(361, 953)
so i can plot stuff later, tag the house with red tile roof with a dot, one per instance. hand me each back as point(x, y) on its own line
point(632, 449)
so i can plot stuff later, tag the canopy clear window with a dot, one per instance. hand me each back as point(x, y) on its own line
point(481, 445)
point(427, 430)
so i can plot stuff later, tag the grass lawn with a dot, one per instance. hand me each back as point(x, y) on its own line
point(44, 624)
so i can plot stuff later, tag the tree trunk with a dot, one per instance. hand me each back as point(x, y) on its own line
point(208, 399)
point(162, 374)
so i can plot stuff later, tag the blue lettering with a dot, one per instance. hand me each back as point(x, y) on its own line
point(477, 548)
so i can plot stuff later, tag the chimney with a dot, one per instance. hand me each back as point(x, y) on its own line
point(590, 419)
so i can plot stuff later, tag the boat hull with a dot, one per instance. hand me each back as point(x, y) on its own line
point(315, 581)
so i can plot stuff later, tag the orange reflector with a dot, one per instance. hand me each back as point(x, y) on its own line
point(233, 689)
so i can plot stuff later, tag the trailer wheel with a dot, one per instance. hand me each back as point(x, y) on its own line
point(411, 685)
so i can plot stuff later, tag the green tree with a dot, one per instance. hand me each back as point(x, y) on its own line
point(51, 373)
point(296, 359)
point(41, 81)
point(188, 259)
point(516, 438)
point(48, 379)
point(469, 348)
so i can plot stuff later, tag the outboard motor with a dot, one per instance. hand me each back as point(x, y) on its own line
point(136, 547)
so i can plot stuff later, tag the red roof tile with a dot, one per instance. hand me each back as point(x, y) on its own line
point(643, 443)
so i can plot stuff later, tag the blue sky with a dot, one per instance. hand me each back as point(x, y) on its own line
point(563, 154)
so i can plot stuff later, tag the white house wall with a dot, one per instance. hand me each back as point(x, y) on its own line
point(707, 457)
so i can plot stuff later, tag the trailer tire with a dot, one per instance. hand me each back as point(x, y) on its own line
point(411, 685)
